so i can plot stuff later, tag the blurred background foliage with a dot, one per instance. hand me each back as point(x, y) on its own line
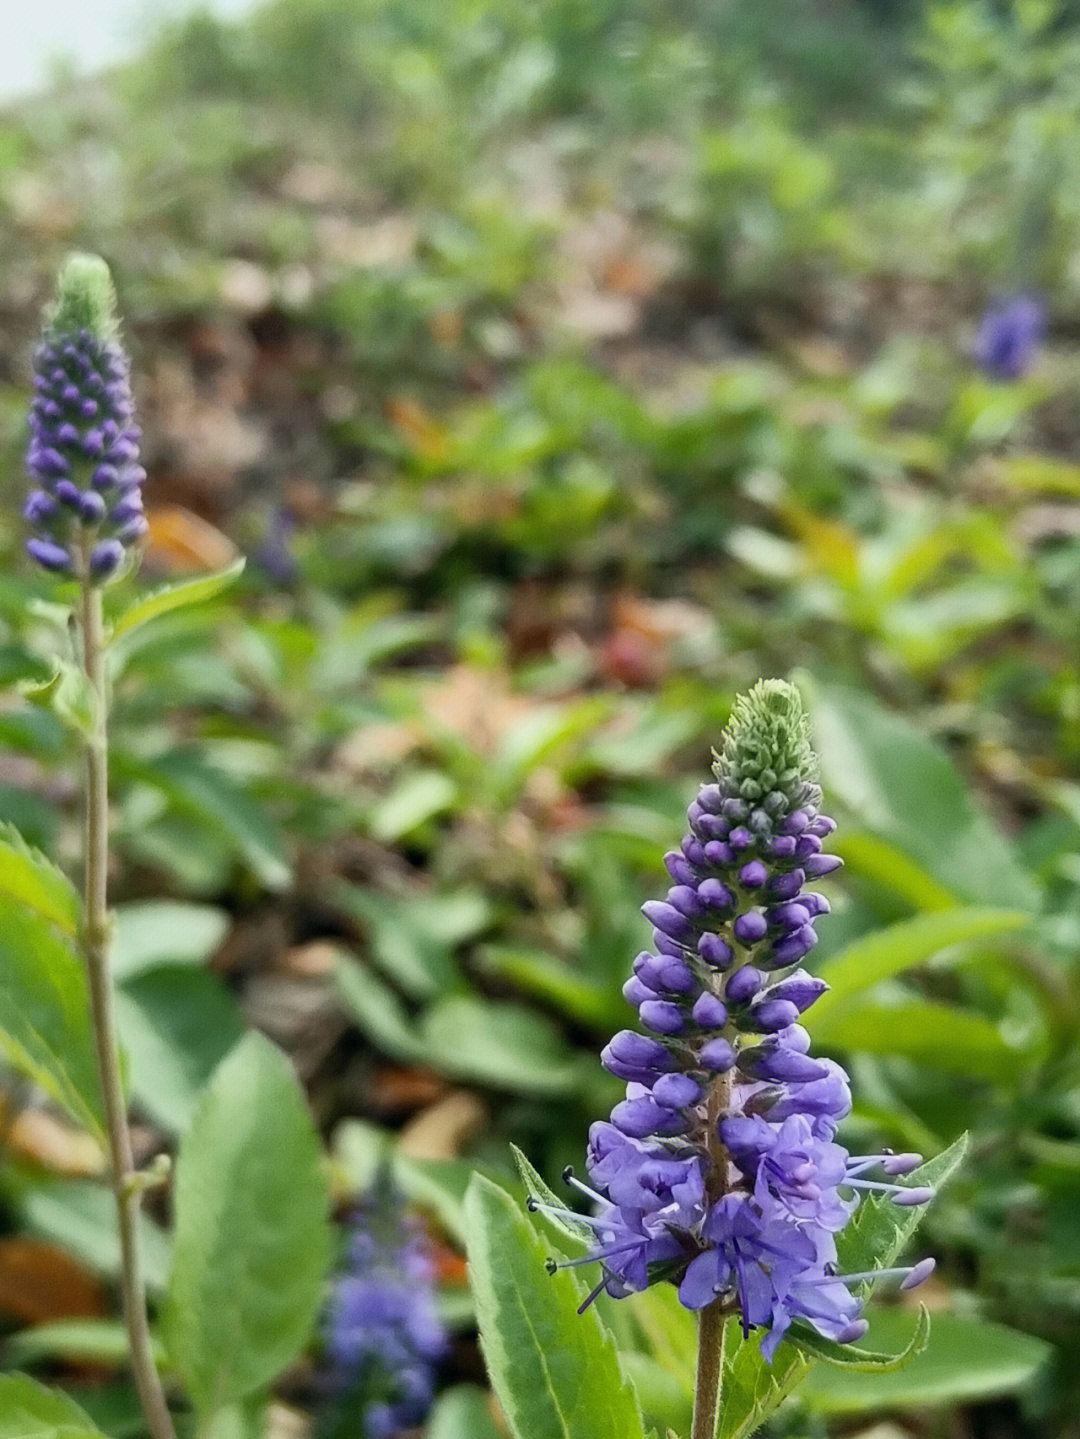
point(561, 369)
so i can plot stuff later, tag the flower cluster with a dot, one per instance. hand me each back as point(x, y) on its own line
point(720, 1171)
point(86, 509)
point(383, 1335)
point(1008, 337)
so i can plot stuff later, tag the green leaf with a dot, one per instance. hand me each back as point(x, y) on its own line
point(663, 1399)
point(966, 1359)
point(940, 1035)
point(463, 1412)
point(177, 1024)
point(557, 1211)
point(417, 798)
point(81, 1216)
point(897, 947)
point(865, 1361)
point(905, 790)
point(879, 1229)
point(26, 875)
point(752, 1389)
point(164, 931)
point(498, 1043)
point(45, 1014)
point(378, 1011)
point(556, 1372)
point(72, 1341)
point(413, 940)
point(211, 798)
point(252, 1236)
point(68, 693)
point(175, 596)
point(30, 1411)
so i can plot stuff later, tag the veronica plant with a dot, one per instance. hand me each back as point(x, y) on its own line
point(720, 1173)
point(383, 1335)
point(251, 1241)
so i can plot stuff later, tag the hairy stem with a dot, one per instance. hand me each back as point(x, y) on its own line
point(712, 1320)
point(95, 943)
point(710, 1367)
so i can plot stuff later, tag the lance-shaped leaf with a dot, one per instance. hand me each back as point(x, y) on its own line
point(176, 596)
point(556, 1371)
point(252, 1235)
point(26, 875)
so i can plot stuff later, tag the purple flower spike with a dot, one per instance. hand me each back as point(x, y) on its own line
point(71, 420)
point(720, 1172)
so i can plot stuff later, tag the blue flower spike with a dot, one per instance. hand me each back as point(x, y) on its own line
point(720, 1172)
point(85, 509)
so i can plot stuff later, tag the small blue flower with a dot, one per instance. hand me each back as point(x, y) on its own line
point(1008, 337)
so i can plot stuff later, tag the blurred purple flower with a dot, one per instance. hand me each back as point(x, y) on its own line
point(1008, 337)
point(383, 1335)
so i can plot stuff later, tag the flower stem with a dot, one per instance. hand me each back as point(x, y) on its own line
point(713, 1318)
point(96, 944)
point(710, 1368)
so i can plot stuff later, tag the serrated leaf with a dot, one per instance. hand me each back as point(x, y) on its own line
point(897, 947)
point(45, 1028)
point(252, 1239)
point(26, 875)
point(752, 1389)
point(865, 1361)
point(175, 596)
point(966, 1359)
point(556, 1371)
point(28, 1410)
point(556, 1211)
point(879, 1229)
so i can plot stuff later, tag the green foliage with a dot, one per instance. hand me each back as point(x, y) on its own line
point(30, 1411)
point(556, 1371)
point(27, 877)
point(462, 1413)
point(966, 1359)
point(45, 1014)
point(252, 1240)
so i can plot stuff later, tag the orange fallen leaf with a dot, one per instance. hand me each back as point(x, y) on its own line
point(181, 543)
point(40, 1283)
